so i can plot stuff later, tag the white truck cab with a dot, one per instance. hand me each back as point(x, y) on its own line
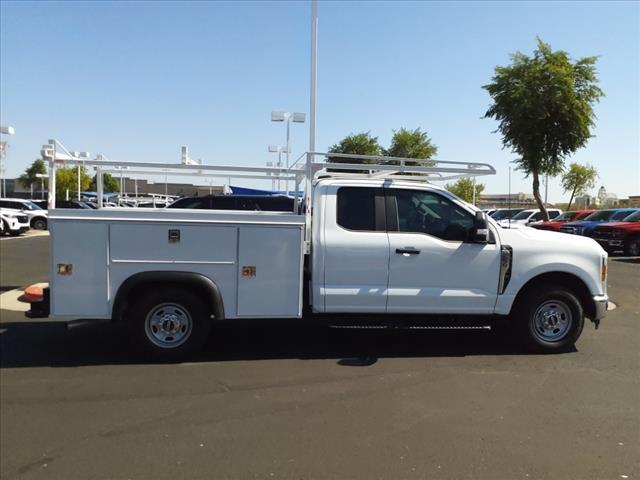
point(382, 242)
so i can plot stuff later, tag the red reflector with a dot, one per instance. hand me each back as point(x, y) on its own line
point(33, 293)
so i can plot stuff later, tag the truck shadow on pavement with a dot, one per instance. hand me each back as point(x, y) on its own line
point(41, 344)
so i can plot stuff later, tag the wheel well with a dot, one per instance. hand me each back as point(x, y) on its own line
point(136, 285)
point(568, 280)
point(35, 219)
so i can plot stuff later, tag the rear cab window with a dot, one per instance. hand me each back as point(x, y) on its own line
point(356, 208)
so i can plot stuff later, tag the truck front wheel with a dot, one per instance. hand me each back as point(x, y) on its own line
point(549, 319)
point(170, 323)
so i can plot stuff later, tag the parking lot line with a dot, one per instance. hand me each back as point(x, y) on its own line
point(30, 234)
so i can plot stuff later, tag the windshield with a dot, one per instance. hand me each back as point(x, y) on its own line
point(599, 216)
point(566, 216)
point(31, 206)
point(634, 217)
point(502, 214)
point(523, 215)
point(620, 216)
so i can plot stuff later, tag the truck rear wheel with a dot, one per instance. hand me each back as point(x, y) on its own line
point(549, 319)
point(171, 323)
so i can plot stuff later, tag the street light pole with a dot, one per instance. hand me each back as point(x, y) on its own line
point(314, 76)
point(288, 117)
point(3, 154)
point(78, 156)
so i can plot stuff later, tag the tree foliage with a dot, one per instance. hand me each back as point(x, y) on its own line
point(544, 106)
point(29, 178)
point(109, 184)
point(67, 179)
point(405, 143)
point(578, 179)
point(411, 144)
point(356, 143)
point(463, 188)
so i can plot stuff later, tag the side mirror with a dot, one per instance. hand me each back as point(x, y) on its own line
point(480, 228)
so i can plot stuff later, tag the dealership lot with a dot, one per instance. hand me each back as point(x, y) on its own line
point(287, 401)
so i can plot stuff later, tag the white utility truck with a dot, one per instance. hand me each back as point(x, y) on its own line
point(369, 239)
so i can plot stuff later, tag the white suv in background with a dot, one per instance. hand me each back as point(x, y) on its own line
point(38, 218)
point(527, 218)
point(13, 222)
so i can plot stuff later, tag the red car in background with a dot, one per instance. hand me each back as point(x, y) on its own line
point(624, 235)
point(557, 222)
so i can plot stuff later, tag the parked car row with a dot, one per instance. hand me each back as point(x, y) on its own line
point(614, 229)
point(37, 217)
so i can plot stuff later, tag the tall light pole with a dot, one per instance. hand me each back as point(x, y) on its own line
point(78, 156)
point(287, 117)
point(273, 181)
point(314, 76)
point(3, 153)
point(42, 176)
point(279, 150)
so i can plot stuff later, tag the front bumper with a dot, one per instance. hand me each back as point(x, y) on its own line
point(606, 242)
point(600, 303)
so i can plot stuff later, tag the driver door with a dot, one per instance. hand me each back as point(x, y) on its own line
point(434, 266)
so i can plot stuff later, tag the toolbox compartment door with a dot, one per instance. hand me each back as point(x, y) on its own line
point(270, 272)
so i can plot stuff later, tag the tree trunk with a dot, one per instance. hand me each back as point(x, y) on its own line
point(573, 192)
point(536, 194)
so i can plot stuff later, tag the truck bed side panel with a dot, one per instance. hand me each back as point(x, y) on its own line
point(82, 291)
point(270, 272)
point(210, 250)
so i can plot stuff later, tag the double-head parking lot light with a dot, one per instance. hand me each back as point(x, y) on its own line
point(288, 117)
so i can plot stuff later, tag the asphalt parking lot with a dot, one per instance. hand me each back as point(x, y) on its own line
point(285, 401)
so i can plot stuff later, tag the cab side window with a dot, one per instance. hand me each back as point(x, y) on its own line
point(432, 214)
point(356, 208)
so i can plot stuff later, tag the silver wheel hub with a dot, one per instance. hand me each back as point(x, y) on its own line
point(168, 325)
point(552, 321)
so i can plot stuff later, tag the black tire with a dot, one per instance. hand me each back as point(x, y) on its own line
point(564, 321)
point(632, 247)
point(174, 308)
point(39, 223)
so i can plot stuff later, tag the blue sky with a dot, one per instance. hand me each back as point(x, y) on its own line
point(137, 80)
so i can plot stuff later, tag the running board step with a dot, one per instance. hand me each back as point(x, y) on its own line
point(412, 327)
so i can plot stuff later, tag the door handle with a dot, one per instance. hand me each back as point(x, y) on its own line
point(407, 251)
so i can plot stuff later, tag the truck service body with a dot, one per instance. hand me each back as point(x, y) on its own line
point(369, 244)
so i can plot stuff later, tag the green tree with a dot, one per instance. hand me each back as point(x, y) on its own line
point(544, 106)
point(356, 143)
point(67, 179)
point(412, 144)
point(578, 179)
point(463, 188)
point(109, 184)
point(29, 178)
